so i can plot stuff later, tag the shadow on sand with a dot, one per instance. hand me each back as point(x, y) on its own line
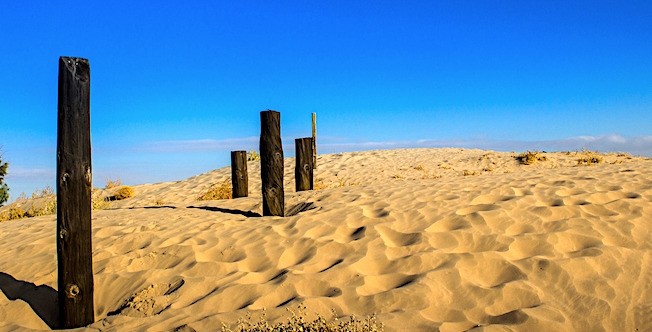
point(42, 299)
point(247, 214)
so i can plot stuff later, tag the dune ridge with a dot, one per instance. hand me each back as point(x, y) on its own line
point(427, 239)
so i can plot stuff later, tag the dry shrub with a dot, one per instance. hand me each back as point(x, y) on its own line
point(319, 184)
point(110, 183)
point(12, 213)
point(49, 208)
point(589, 157)
point(98, 202)
point(122, 193)
point(253, 156)
point(299, 323)
point(466, 172)
point(530, 157)
point(45, 192)
point(419, 167)
point(217, 191)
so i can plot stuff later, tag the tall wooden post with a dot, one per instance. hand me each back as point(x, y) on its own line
point(271, 163)
point(74, 180)
point(314, 140)
point(303, 171)
point(239, 176)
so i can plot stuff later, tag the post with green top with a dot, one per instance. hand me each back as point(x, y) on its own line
point(74, 180)
point(314, 140)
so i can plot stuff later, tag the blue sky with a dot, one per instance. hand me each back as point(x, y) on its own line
point(176, 85)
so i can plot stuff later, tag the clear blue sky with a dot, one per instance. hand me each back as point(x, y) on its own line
point(176, 85)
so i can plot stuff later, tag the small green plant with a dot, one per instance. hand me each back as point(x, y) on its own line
point(253, 156)
point(298, 322)
point(530, 157)
point(217, 191)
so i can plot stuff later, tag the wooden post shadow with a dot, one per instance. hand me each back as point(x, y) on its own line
point(303, 171)
point(74, 180)
point(271, 163)
point(239, 176)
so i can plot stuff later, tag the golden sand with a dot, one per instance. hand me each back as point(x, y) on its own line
point(427, 239)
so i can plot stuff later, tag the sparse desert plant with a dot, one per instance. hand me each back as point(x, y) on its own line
point(319, 184)
point(253, 156)
point(624, 155)
point(530, 157)
point(112, 183)
point(419, 167)
point(97, 201)
point(122, 193)
point(217, 191)
point(4, 189)
point(12, 213)
point(45, 192)
point(466, 172)
point(588, 157)
point(298, 321)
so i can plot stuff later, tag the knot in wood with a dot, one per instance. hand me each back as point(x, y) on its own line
point(89, 176)
point(63, 233)
point(64, 177)
point(72, 291)
point(306, 167)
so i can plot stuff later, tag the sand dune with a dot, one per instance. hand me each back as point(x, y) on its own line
point(428, 239)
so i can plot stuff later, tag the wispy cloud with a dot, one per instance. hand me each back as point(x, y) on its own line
point(245, 143)
point(636, 145)
point(30, 173)
point(641, 145)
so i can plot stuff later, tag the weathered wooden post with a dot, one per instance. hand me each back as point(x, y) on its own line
point(74, 180)
point(271, 163)
point(239, 176)
point(303, 171)
point(314, 141)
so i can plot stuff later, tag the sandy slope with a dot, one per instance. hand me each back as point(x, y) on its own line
point(401, 233)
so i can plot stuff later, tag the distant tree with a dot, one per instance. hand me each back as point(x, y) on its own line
point(4, 189)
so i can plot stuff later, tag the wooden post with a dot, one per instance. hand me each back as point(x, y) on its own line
point(271, 163)
point(74, 180)
point(303, 171)
point(314, 141)
point(239, 176)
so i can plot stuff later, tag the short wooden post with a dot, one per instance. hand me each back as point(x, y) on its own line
point(303, 171)
point(74, 180)
point(271, 163)
point(239, 176)
point(314, 140)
